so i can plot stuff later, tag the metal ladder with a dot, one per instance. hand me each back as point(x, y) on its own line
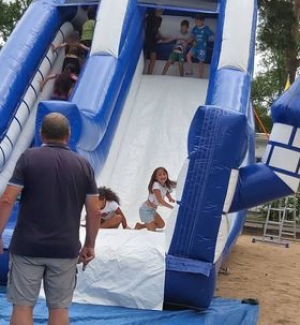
point(282, 226)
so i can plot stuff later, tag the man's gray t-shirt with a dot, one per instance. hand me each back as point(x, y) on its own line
point(56, 182)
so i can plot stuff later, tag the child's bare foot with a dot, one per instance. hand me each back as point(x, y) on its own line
point(138, 226)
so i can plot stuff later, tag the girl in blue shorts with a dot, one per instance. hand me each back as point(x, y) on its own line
point(159, 186)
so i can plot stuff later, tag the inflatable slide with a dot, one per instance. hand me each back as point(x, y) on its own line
point(127, 123)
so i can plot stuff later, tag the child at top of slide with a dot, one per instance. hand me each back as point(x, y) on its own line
point(88, 27)
point(152, 35)
point(179, 50)
point(200, 35)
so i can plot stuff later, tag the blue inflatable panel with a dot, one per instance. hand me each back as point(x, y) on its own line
point(21, 55)
point(287, 108)
point(199, 215)
point(230, 90)
point(70, 110)
point(208, 175)
point(250, 194)
point(221, 312)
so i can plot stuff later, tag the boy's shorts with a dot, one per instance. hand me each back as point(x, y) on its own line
point(198, 54)
point(147, 213)
point(174, 56)
point(26, 274)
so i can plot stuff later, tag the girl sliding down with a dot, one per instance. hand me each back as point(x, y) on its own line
point(159, 186)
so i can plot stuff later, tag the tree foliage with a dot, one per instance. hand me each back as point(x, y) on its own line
point(278, 33)
point(10, 13)
point(278, 47)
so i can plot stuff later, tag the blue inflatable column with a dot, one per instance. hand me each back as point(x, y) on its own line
point(217, 144)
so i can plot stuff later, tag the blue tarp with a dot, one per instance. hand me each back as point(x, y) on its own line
point(221, 312)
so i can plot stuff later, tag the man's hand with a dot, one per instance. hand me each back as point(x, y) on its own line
point(86, 255)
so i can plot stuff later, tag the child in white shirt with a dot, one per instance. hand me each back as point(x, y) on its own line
point(179, 50)
point(111, 213)
point(159, 186)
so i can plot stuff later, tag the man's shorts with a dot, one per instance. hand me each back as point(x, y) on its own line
point(26, 274)
point(174, 56)
point(147, 213)
point(198, 54)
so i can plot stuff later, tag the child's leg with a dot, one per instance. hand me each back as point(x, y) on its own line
point(151, 226)
point(167, 66)
point(189, 62)
point(139, 226)
point(201, 69)
point(113, 222)
point(148, 216)
point(180, 63)
point(124, 222)
point(152, 62)
point(159, 222)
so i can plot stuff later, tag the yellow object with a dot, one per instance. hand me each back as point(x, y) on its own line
point(287, 84)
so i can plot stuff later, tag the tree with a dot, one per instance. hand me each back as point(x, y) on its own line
point(278, 45)
point(278, 32)
point(10, 13)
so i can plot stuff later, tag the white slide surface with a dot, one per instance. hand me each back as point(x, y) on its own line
point(129, 269)
point(152, 132)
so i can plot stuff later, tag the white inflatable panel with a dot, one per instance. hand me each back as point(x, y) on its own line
point(266, 154)
point(231, 189)
point(285, 159)
point(290, 181)
point(109, 26)
point(296, 142)
point(236, 42)
point(281, 133)
point(170, 227)
point(181, 179)
point(128, 271)
point(222, 236)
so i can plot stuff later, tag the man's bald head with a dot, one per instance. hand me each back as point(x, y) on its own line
point(55, 128)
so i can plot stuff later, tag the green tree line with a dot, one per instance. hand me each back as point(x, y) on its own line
point(10, 13)
point(278, 47)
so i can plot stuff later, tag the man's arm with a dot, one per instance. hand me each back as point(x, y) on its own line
point(92, 205)
point(7, 201)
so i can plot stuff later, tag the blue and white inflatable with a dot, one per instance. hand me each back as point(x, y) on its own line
point(127, 123)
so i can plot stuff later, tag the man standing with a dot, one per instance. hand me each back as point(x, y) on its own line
point(55, 183)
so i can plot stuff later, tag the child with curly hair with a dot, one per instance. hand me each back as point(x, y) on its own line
point(111, 213)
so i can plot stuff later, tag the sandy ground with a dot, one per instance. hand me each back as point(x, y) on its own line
point(269, 273)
